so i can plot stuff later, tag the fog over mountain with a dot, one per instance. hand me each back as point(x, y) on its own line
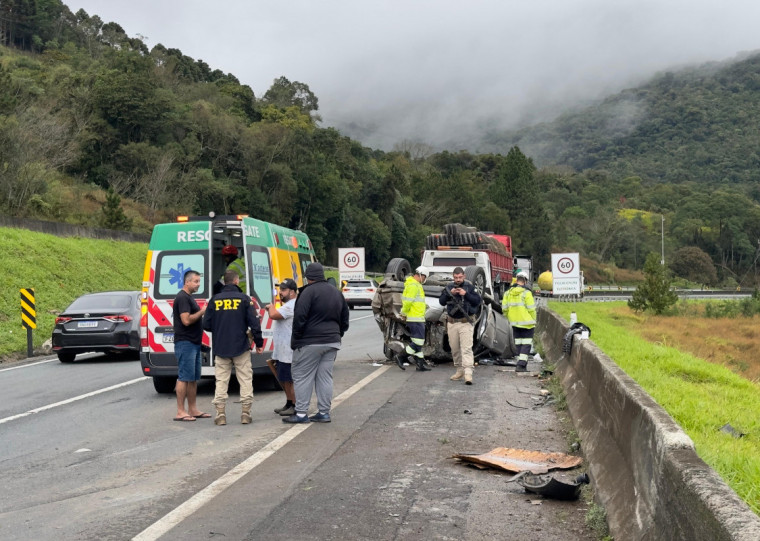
point(442, 71)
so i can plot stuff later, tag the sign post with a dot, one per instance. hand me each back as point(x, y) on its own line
point(351, 263)
point(566, 274)
point(28, 316)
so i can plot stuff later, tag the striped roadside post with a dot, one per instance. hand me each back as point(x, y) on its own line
point(28, 316)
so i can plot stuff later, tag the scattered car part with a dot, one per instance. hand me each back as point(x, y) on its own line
point(517, 460)
point(552, 486)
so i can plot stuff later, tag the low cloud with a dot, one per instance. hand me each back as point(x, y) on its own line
point(443, 71)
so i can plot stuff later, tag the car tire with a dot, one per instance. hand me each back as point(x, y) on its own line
point(164, 384)
point(66, 356)
point(399, 268)
point(477, 277)
point(351, 306)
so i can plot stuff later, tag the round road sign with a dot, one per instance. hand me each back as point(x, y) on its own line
point(351, 260)
point(565, 265)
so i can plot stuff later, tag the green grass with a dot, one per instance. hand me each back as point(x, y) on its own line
point(59, 270)
point(699, 395)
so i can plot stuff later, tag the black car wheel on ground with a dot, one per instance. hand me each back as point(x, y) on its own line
point(164, 384)
point(66, 356)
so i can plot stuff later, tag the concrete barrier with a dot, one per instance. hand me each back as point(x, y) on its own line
point(645, 471)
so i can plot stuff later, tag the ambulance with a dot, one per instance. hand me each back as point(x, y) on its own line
point(271, 253)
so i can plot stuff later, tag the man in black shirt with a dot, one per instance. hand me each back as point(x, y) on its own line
point(188, 334)
point(320, 319)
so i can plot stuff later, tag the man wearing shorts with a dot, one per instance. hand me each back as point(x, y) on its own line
point(282, 354)
point(188, 334)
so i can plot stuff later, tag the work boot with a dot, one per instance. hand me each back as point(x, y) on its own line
point(458, 375)
point(421, 367)
point(468, 376)
point(221, 417)
point(245, 416)
point(522, 366)
point(400, 360)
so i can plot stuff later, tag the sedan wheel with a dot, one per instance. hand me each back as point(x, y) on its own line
point(66, 356)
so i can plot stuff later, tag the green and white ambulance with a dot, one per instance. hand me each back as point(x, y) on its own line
point(271, 254)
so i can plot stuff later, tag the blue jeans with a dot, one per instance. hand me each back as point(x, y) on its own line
point(188, 360)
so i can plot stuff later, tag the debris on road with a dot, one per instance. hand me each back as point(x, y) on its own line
point(551, 486)
point(518, 460)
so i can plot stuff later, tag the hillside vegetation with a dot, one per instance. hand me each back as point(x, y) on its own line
point(59, 270)
point(97, 129)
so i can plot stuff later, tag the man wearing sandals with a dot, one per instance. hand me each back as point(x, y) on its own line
point(229, 316)
point(188, 334)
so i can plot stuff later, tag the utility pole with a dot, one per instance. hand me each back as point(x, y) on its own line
point(662, 234)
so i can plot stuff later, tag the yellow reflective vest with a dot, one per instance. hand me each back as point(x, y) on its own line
point(413, 301)
point(519, 307)
point(238, 266)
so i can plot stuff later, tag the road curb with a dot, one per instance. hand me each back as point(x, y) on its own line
point(644, 468)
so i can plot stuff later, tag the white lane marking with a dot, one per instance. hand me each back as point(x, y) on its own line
point(70, 400)
point(171, 519)
point(25, 365)
point(358, 318)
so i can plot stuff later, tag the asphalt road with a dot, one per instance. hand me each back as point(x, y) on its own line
point(89, 451)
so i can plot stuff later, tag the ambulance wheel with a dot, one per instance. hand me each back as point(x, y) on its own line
point(164, 385)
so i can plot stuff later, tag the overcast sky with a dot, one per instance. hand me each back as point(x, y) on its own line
point(439, 70)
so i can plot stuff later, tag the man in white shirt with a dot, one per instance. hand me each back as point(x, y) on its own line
point(282, 353)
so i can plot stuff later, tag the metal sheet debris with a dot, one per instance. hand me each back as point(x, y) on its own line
point(517, 460)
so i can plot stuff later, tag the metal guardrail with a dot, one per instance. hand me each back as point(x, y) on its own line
point(622, 295)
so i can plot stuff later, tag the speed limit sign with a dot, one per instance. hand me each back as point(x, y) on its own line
point(565, 265)
point(351, 263)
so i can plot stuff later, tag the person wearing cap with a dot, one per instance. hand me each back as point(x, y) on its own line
point(462, 302)
point(320, 319)
point(232, 262)
point(282, 329)
point(520, 308)
point(413, 308)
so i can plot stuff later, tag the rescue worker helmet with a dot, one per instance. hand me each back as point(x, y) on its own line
point(523, 275)
point(229, 250)
point(422, 270)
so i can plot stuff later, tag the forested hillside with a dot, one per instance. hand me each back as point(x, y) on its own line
point(698, 124)
point(95, 128)
point(87, 108)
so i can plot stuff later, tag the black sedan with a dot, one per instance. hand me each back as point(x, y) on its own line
point(108, 322)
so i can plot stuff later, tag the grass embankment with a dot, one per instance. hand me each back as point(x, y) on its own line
point(700, 395)
point(59, 270)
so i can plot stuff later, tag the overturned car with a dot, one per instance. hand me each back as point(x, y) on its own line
point(492, 336)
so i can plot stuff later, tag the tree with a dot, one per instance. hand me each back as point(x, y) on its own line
point(285, 94)
point(694, 264)
point(655, 293)
point(113, 215)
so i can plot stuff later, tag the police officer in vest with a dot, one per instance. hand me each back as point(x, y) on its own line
point(229, 315)
point(413, 312)
point(520, 308)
